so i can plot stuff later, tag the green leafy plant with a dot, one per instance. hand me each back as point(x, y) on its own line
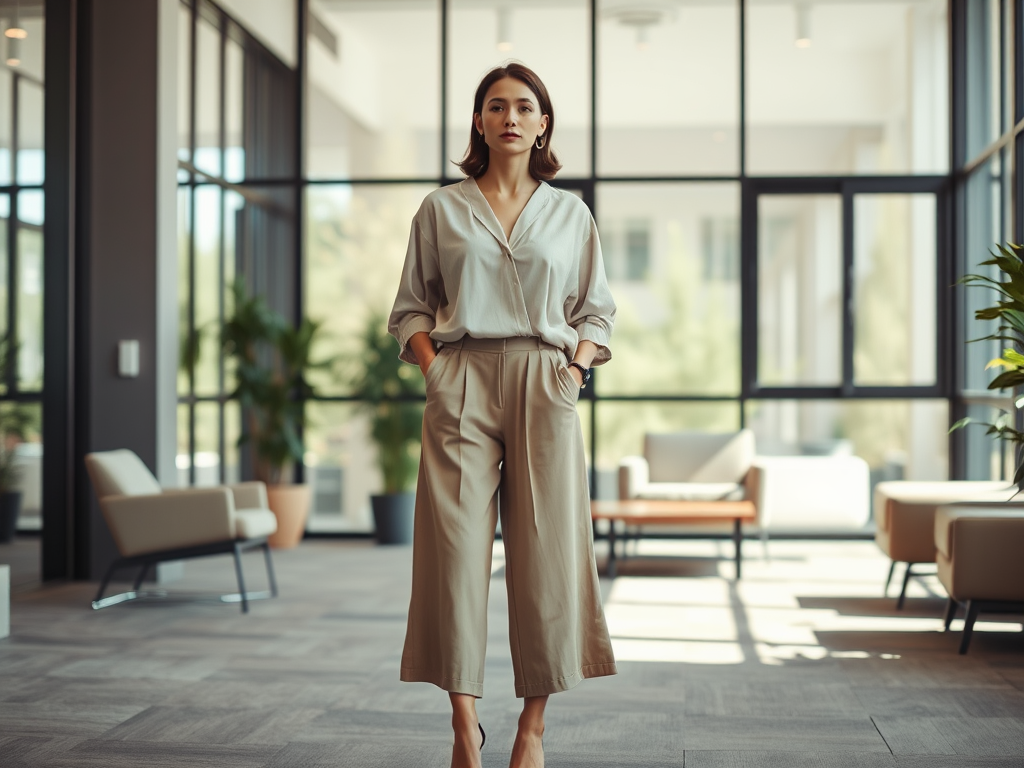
point(17, 420)
point(272, 358)
point(1008, 311)
point(396, 423)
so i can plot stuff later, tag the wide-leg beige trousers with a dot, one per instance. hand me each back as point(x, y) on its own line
point(501, 421)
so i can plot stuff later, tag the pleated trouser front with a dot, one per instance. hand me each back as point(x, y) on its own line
point(500, 430)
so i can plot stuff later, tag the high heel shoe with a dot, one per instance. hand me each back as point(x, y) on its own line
point(483, 736)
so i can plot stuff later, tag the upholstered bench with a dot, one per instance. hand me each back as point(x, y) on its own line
point(905, 518)
point(980, 556)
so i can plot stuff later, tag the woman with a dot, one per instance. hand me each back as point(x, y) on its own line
point(504, 305)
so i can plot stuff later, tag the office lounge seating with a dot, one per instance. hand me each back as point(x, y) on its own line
point(905, 518)
point(980, 558)
point(151, 525)
point(806, 493)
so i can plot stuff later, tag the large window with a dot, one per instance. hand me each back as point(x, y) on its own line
point(237, 218)
point(990, 210)
point(21, 234)
point(783, 200)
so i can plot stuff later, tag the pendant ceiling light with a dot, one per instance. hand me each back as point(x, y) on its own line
point(504, 29)
point(803, 25)
point(641, 18)
point(15, 33)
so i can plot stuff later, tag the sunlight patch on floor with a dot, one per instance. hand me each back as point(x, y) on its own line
point(790, 607)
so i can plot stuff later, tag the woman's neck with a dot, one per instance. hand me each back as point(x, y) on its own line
point(508, 175)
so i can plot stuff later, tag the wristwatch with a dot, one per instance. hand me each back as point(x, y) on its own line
point(585, 371)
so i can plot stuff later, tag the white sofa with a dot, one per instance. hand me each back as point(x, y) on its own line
point(816, 493)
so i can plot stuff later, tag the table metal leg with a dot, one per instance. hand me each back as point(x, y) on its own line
point(737, 537)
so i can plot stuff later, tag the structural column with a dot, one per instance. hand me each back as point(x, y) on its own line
point(120, 269)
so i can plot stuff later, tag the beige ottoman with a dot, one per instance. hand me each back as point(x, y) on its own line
point(980, 555)
point(905, 518)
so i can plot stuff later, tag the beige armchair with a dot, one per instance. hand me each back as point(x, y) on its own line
point(980, 556)
point(151, 525)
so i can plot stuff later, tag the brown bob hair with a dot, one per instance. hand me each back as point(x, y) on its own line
point(543, 163)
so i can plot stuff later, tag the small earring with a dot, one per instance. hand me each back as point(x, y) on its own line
point(540, 142)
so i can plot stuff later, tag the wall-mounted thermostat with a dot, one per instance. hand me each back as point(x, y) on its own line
point(128, 358)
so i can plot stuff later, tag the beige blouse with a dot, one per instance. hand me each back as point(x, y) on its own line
point(462, 277)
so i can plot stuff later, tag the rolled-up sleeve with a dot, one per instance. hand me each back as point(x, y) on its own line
point(419, 292)
point(592, 311)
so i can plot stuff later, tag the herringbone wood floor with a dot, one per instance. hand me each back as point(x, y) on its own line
point(802, 664)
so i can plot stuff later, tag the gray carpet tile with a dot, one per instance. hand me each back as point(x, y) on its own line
point(655, 736)
point(428, 730)
point(18, 719)
point(914, 735)
point(214, 726)
point(985, 736)
point(917, 702)
point(384, 754)
point(753, 700)
point(761, 759)
point(779, 733)
point(121, 754)
point(975, 736)
point(935, 761)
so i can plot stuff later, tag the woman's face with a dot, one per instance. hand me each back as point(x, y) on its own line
point(511, 120)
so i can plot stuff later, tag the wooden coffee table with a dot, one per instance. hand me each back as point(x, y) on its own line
point(663, 511)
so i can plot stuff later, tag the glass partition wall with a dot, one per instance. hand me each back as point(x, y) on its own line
point(22, 81)
point(779, 196)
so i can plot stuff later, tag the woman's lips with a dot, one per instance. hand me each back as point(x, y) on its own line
point(511, 136)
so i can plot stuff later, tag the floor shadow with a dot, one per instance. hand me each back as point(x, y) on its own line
point(914, 607)
point(665, 566)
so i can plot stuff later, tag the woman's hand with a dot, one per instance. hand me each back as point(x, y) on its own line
point(576, 375)
point(424, 350)
point(425, 365)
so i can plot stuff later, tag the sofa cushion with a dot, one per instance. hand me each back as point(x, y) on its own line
point(699, 457)
point(692, 491)
point(253, 523)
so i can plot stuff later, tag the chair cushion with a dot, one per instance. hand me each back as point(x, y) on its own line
point(692, 491)
point(120, 473)
point(699, 457)
point(979, 551)
point(936, 493)
point(252, 523)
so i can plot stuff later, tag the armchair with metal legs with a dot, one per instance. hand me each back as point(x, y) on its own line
point(151, 525)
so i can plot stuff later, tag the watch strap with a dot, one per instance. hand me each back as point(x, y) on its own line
point(583, 370)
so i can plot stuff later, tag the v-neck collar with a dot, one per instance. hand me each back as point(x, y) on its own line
point(486, 216)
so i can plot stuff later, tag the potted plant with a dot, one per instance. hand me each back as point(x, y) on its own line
point(1008, 311)
point(271, 359)
point(391, 393)
point(16, 421)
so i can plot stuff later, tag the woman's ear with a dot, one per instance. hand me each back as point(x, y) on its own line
point(478, 123)
point(544, 123)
